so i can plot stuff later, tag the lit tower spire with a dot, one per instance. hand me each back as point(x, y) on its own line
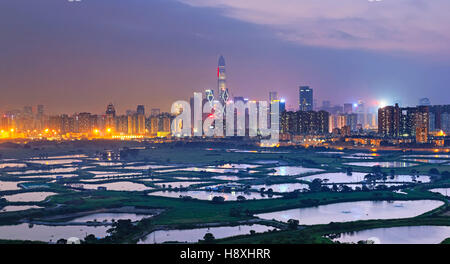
point(222, 81)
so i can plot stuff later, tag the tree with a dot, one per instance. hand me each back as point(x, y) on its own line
point(315, 185)
point(218, 199)
point(434, 171)
point(61, 241)
point(90, 239)
point(293, 224)
point(241, 198)
point(121, 228)
point(209, 238)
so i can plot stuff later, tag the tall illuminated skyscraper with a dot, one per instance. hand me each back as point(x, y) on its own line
point(305, 98)
point(222, 81)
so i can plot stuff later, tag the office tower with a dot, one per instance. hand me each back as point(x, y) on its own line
point(140, 110)
point(28, 111)
point(40, 111)
point(352, 121)
point(348, 108)
point(273, 96)
point(439, 118)
point(110, 110)
point(361, 112)
point(39, 124)
point(110, 122)
point(282, 105)
point(305, 98)
point(222, 81)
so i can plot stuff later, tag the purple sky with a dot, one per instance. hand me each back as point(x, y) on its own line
point(75, 57)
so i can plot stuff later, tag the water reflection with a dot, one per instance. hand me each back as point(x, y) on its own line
point(399, 235)
point(109, 217)
point(118, 186)
point(15, 208)
point(354, 211)
point(281, 188)
point(384, 164)
point(355, 177)
point(28, 197)
point(207, 195)
point(49, 233)
point(443, 191)
point(292, 170)
point(194, 235)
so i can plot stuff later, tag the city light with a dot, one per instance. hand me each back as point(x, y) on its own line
point(382, 104)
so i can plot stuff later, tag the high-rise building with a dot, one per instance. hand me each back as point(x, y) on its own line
point(40, 110)
point(273, 96)
point(140, 110)
point(348, 108)
point(306, 98)
point(404, 122)
point(439, 118)
point(305, 123)
point(222, 81)
point(282, 105)
point(110, 110)
point(422, 122)
point(389, 120)
point(110, 121)
point(84, 122)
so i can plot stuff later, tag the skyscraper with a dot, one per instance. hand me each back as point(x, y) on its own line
point(140, 110)
point(306, 98)
point(348, 108)
point(273, 96)
point(110, 110)
point(110, 118)
point(222, 81)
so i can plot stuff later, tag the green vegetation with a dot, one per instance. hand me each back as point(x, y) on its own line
point(183, 213)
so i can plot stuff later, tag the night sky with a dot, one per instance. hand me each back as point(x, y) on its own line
point(75, 57)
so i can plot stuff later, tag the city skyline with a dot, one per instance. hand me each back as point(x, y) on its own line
point(74, 60)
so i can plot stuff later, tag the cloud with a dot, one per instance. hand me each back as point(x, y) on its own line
point(399, 25)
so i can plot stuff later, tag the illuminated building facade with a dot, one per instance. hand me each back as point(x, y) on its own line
point(306, 98)
point(222, 81)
